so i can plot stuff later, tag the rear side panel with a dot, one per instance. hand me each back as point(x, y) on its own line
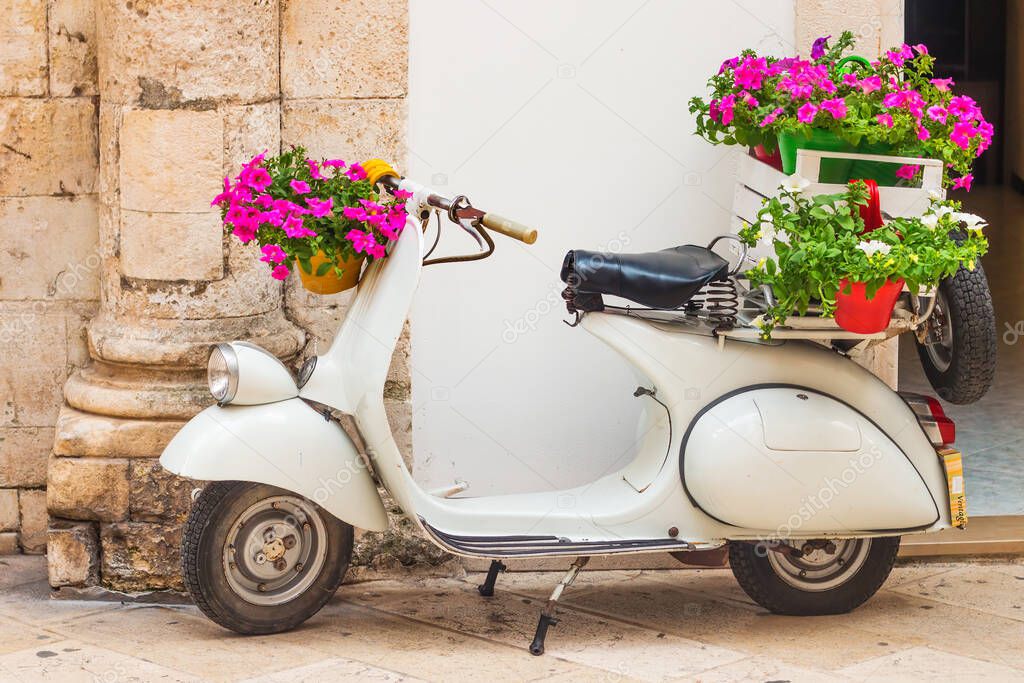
point(799, 461)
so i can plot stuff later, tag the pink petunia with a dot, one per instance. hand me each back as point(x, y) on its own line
point(885, 120)
point(334, 163)
point(906, 172)
point(938, 114)
point(943, 84)
point(728, 106)
point(750, 73)
point(894, 99)
point(255, 177)
point(963, 182)
point(962, 133)
point(850, 80)
point(836, 107)
point(273, 253)
point(871, 84)
point(356, 173)
point(224, 196)
point(296, 229)
point(314, 170)
point(921, 49)
point(807, 112)
point(923, 133)
point(361, 241)
point(770, 118)
point(402, 194)
point(354, 213)
point(299, 186)
point(749, 99)
point(280, 272)
point(245, 233)
point(964, 108)
point(265, 201)
point(320, 207)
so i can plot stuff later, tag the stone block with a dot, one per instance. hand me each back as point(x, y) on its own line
point(49, 146)
point(249, 130)
point(187, 53)
point(50, 248)
point(171, 161)
point(9, 520)
point(172, 246)
point(34, 518)
point(86, 434)
point(73, 554)
point(88, 488)
point(23, 454)
point(72, 47)
point(23, 48)
point(138, 556)
point(354, 130)
point(358, 48)
point(9, 543)
point(156, 495)
point(30, 396)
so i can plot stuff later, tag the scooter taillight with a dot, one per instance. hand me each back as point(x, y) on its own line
point(932, 418)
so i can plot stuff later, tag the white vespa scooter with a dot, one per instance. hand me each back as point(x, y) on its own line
point(796, 461)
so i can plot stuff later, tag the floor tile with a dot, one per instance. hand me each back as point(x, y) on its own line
point(927, 664)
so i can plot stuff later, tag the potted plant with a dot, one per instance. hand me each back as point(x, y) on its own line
point(824, 254)
point(324, 216)
point(844, 103)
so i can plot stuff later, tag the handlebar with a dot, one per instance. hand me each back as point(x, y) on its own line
point(460, 208)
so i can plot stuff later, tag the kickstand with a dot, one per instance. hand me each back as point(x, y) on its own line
point(487, 587)
point(547, 616)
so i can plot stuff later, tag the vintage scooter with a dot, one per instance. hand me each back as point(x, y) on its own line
point(800, 464)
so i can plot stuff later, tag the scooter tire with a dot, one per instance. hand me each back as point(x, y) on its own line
point(214, 512)
point(967, 373)
point(753, 570)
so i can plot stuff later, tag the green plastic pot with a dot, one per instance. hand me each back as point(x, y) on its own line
point(838, 171)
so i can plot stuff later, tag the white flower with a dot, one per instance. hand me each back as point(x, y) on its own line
point(795, 183)
point(943, 210)
point(930, 221)
point(936, 195)
point(874, 247)
point(970, 220)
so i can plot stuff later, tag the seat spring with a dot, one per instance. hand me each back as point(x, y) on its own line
point(720, 302)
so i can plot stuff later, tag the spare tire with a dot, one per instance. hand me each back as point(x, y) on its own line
point(959, 350)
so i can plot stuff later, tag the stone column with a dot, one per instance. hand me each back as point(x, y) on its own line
point(188, 91)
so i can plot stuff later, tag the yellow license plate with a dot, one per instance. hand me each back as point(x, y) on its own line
point(953, 462)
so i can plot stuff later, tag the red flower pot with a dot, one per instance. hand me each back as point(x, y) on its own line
point(774, 159)
point(872, 211)
point(856, 313)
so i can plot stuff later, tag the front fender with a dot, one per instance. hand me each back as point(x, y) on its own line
point(285, 444)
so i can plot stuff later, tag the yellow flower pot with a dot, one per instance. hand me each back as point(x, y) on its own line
point(330, 283)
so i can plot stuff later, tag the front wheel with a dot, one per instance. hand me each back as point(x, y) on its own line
point(258, 559)
point(808, 578)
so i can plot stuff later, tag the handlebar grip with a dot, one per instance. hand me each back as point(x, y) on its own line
point(509, 228)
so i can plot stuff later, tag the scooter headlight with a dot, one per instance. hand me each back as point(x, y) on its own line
point(222, 373)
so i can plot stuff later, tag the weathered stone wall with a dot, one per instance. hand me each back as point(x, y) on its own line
point(48, 252)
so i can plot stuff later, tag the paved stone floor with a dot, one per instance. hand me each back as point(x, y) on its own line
point(961, 622)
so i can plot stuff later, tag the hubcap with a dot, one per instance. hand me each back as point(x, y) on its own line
point(820, 566)
point(939, 343)
point(275, 550)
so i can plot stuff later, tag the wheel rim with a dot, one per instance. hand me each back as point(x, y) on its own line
point(940, 335)
point(275, 550)
point(817, 569)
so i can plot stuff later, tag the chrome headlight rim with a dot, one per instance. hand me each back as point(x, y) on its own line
point(226, 354)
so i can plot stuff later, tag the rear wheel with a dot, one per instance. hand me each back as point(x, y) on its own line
point(813, 577)
point(258, 559)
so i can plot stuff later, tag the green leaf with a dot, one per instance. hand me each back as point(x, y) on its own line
point(324, 268)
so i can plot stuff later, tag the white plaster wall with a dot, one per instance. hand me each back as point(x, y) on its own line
point(570, 116)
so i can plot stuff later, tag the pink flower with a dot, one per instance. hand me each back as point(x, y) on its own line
point(362, 242)
point(245, 233)
point(819, 48)
point(885, 120)
point(402, 194)
point(770, 119)
point(256, 177)
point(314, 170)
point(807, 112)
point(265, 201)
point(871, 84)
point(836, 107)
point(921, 49)
point(285, 206)
point(750, 73)
point(894, 99)
point(280, 272)
point(715, 111)
point(728, 106)
point(273, 253)
point(355, 173)
point(334, 163)
point(236, 215)
point(963, 182)
point(275, 217)
point(922, 133)
point(937, 113)
point(827, 86)
point(850, 80)
point(294, 228)
point(898, 57)
point(906, 172)
point(320, 207)
point(224, 196)
point(962, 133)
point(299, 186)
point(375, 250)
point(749, 99)
point(964, 108)
point(943, 84)
point(354, 213)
